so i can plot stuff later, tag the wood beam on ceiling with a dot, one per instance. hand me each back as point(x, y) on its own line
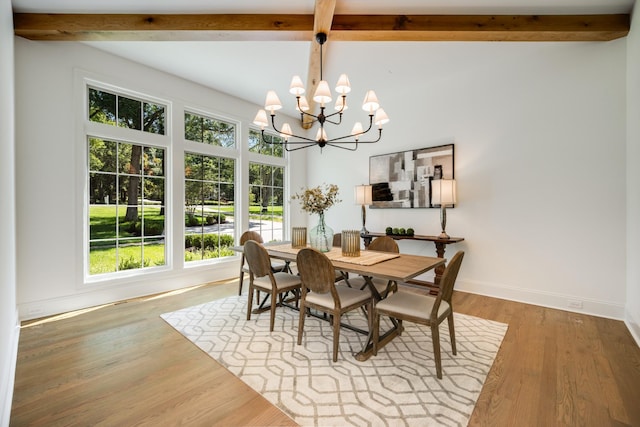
point(323, 17)
point(182, 27)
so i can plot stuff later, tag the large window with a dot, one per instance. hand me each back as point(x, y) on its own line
point(266, 200)
point(127, 185)
point(257, 145)
point(209, 206)
point(126, 206)
point(207, 130)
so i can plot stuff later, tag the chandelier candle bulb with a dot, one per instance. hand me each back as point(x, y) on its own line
point(272, 103)
point(381, 118)
point(323, 93)
point(371, 103)
point(261, 119)
point(344, 86)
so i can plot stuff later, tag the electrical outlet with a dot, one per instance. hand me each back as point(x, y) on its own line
point(574, 303)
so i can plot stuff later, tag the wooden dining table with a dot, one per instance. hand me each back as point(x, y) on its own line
point(384, 265)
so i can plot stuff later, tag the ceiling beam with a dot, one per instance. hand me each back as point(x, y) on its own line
point(158, 27)
point(323, 17)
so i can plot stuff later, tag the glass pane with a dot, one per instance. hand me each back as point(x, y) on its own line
point(154, 191)
point(129, 113)
point(193, 247)
point(102, 155)
point(208, 132)
point(211, 244)
point(154, 252)
point(193, 191)
point(102, 222)
point(227, 194)
point(153, 161)
point(266, 200)
point(129, 255)
point(130, 221)
point(211, 168)
point(277, 201)
point(102, 107)
point(192, 166)
point(192, 127)
point(227, 170)
point(254, 174)
point(102, 189)
point(129, 189)
point(225, 134)
point(153, 118)
point(153, 220)
point(266, 173)
point(102, 257)
point(254, 140)
point(210, 193)
point(130, 158)
point(278, 177)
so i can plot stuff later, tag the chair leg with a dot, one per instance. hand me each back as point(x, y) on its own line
point(303, 314)
point(452, 333)
point(240, 280)
point(435, 336)
point(336, 335)
point(274, 300)
point(250, 302)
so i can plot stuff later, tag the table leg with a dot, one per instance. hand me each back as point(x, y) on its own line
point(439, 270)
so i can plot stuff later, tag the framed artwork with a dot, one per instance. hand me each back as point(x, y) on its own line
point(403, 179)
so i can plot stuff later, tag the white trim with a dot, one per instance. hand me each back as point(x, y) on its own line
point(633, 325)
point(7, 375)
point(543, 299)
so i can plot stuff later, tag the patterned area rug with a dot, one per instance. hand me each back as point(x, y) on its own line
point(398, 387)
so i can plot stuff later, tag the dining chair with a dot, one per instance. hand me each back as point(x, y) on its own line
point(337, 243)
point(384, 287)
point(423, 309)
point(319, 292)
point(263, 279)
point(244, 268)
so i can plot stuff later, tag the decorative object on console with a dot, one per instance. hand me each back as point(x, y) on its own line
point(401, 180)
point(316, 200)
point(443, 194)
point(322, 96)
point(393, 231)
point(363, 198)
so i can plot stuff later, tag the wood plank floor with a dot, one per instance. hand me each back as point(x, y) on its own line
point(123, 365)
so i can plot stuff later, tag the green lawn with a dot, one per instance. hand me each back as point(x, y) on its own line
point(105, 260)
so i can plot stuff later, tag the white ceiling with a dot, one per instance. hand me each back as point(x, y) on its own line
point(248, 69)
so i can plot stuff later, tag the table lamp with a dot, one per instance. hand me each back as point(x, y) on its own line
point(443, 193)
point(363, 198)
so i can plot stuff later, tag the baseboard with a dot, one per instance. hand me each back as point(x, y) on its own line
point(572, 303)
point(8, 374)
point(633, 325)
point(93, 295)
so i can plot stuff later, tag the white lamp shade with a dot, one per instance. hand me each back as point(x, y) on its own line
point(285, 132)
point(341, 103)
point(381, 117)
point(272, 102)
point(370, 103)
point(261, 119)
point(357, 130)
point(344, 86)
point(323, 94)
point(302, 104)
point(296, 88)
point(363, 194)
point(443, 192)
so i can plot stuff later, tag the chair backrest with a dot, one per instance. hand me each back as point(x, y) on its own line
point(337, 240)
point(258, 259)
point(316, 271)
point(250, 235)
point(384, 244)
point(447, 281)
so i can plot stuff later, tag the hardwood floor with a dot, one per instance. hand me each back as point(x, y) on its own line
point(123, 365)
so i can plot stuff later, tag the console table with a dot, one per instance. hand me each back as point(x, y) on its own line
point(440, 247)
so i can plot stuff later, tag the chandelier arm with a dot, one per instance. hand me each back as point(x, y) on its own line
point(345, 148)
point(297, 148)
point(273, 125)
point(361, 133)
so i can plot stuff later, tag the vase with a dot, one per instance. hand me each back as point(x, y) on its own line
point(321, 236)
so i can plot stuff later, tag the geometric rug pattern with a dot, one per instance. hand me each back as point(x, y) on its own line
point(398, 387)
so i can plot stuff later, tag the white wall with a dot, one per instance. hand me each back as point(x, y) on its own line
point(9, 331)
point(633, 177)
point(49, 175)
point(540, 135)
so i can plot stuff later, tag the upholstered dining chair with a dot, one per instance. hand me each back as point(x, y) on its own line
point(244, 268)
point(319, 292)
point(423, 309)
point(384, 287)
point(263, 279)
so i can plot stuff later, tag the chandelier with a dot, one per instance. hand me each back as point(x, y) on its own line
point(322, 96)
